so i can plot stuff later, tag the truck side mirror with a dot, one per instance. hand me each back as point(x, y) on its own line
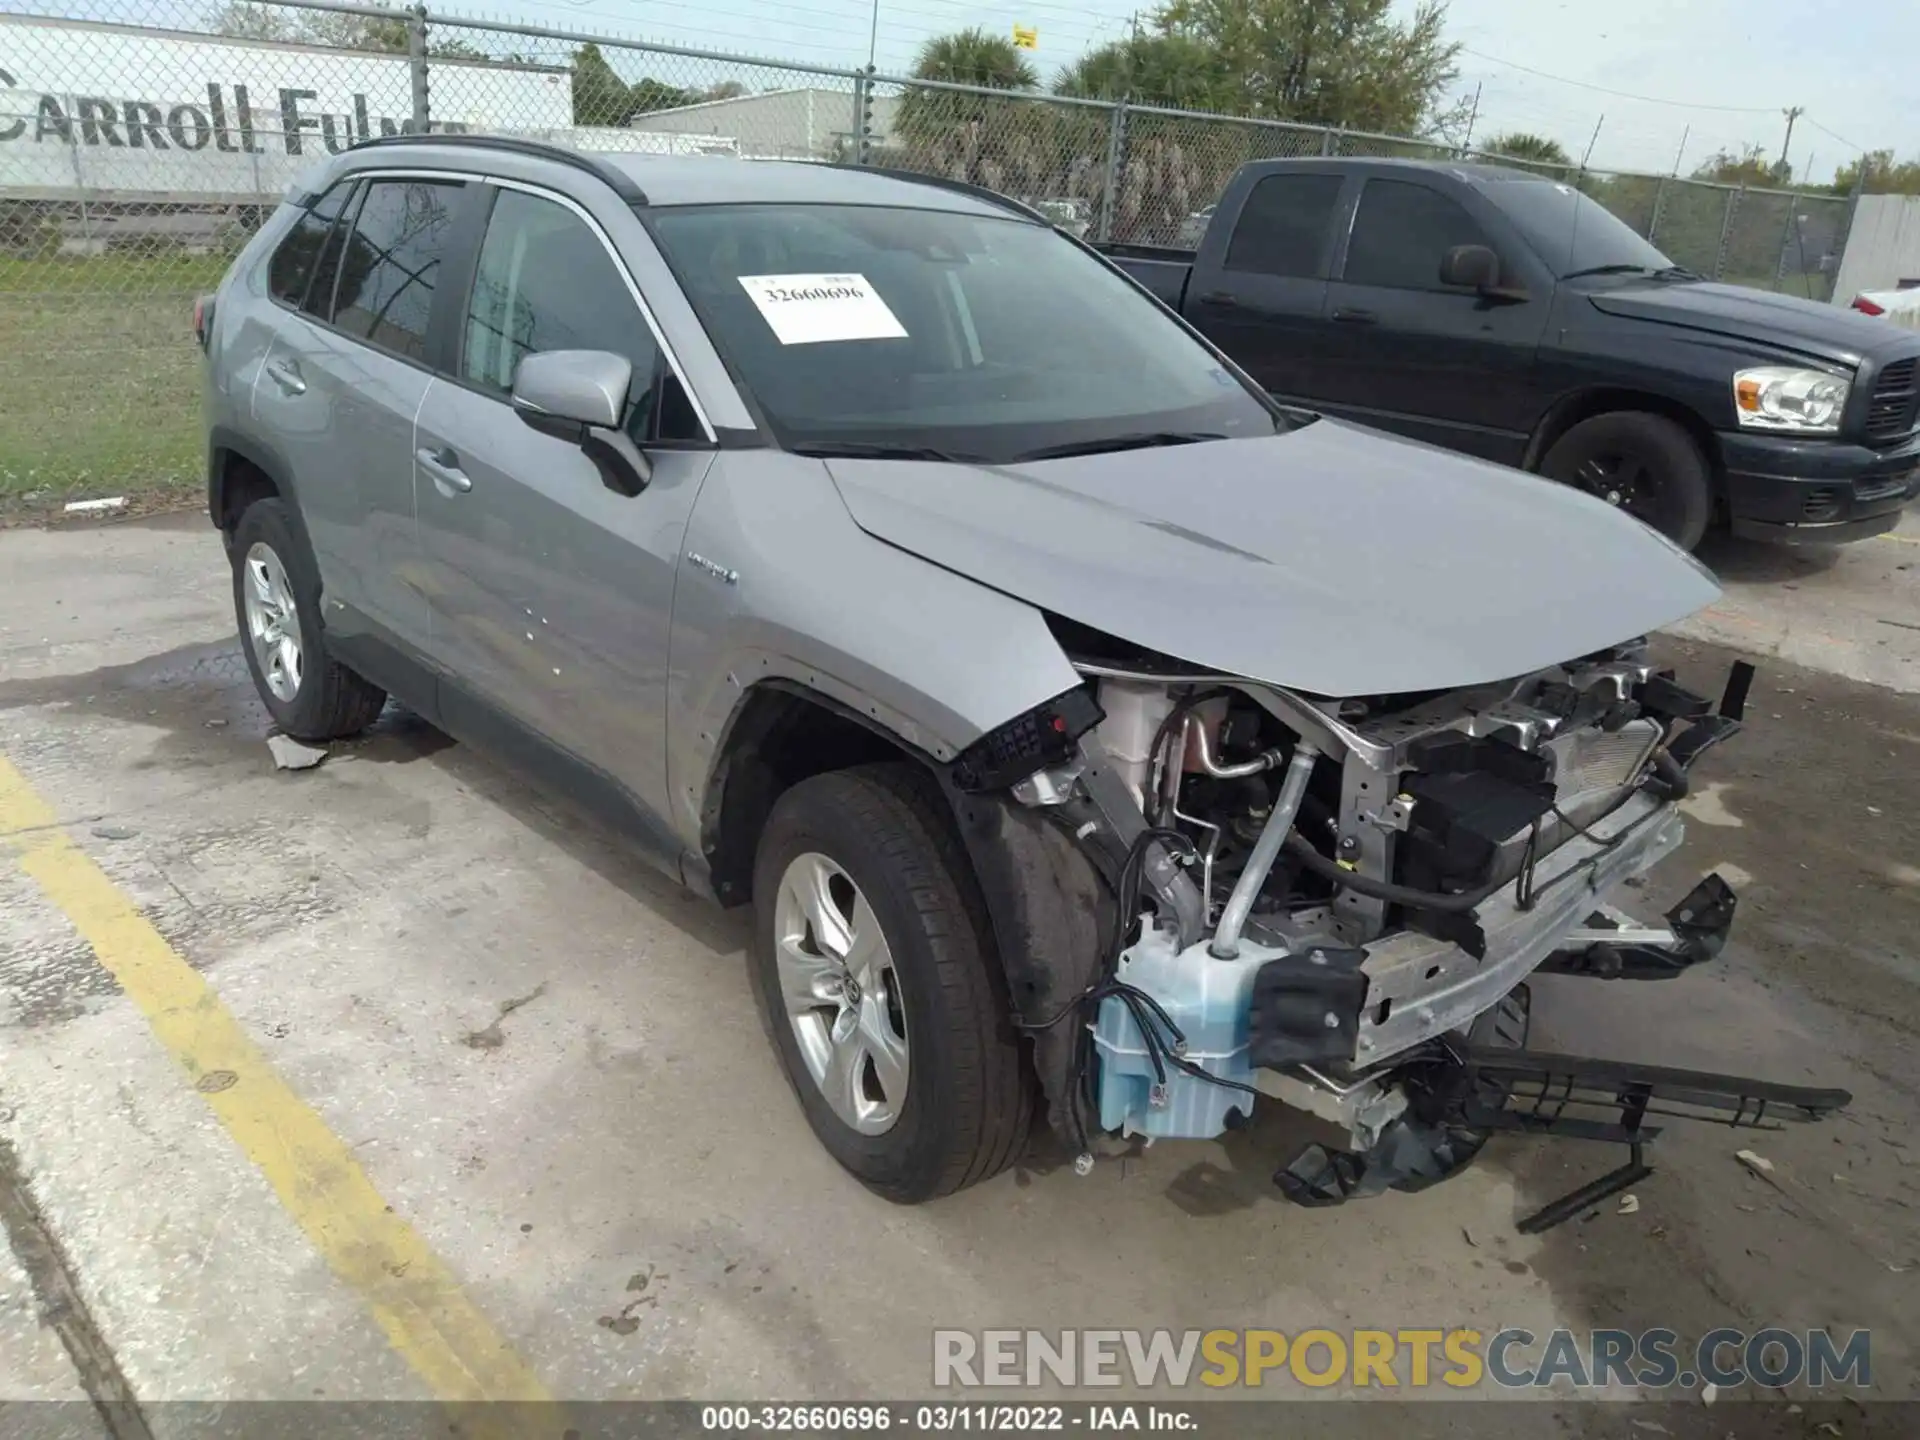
point(1471, 267)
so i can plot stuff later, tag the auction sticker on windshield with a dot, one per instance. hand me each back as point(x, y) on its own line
point(807, 309)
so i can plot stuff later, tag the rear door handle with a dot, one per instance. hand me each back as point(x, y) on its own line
point(1348, 316)
point(1226, 300)
point(286, 374)
point(444, 468)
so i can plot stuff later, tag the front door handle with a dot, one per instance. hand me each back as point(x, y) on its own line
point(444, 467)
point(286, 374)
point(1225, 299)
point(1348, 316)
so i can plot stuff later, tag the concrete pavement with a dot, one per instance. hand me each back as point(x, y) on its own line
point(544, 1059)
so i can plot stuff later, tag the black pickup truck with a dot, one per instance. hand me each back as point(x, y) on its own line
point(1510, 316)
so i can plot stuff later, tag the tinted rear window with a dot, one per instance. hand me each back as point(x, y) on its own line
point(290, 271)
point(392, 263)
point(1283, 229)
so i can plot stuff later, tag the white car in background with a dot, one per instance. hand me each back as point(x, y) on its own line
point(1902, 307)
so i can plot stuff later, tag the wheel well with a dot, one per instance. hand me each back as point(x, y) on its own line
point(238, 483)
point(1042, 895)
point(779, 737)
point(1570, 410)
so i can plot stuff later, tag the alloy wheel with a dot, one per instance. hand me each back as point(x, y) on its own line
point(841, 994)
point(273, 621)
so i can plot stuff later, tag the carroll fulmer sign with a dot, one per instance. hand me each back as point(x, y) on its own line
point(110, 109)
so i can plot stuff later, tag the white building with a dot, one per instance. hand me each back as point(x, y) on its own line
point(95, 110)
point(798, 124)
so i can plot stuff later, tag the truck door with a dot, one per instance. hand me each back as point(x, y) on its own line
point(1261, 300)
point(1406, 353)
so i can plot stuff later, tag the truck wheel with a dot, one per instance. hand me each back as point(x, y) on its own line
point(1645, 464)
point(873, 969)
point(276, 599)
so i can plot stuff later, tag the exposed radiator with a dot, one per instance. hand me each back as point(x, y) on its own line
point(1590, 768)
point(1591, 761)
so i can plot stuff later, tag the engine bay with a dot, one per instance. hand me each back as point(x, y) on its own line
point(1337, 903)
point(1366, 844)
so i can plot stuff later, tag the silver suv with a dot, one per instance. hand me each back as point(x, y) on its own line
point(1096, 739)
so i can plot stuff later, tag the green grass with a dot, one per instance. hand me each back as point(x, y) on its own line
point(100, 378)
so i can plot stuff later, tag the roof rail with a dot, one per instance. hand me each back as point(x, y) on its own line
point(961, 187)
point(623, 184)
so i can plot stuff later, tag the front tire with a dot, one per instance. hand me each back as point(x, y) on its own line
point(873, 970)
point(276, 602)
point(1643, 463)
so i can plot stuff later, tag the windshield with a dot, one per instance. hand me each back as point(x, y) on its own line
point(1572, 232)
point(953, 336)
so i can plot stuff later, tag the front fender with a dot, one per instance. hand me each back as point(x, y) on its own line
point(779, 584)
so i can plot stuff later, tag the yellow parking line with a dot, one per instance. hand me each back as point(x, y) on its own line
point(412, 1295)
point(1903, 539)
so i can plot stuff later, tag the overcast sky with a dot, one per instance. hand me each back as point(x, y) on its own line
point(1754, 56)
point(1850, 66)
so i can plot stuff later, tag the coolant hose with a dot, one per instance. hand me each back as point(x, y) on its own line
point(1266, 850)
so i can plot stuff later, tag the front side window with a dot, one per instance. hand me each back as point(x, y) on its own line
point(983, 338)
point(546, 282)
point(391, 263)
point(1283, 227)
point(1401, 234)
point(290, 271)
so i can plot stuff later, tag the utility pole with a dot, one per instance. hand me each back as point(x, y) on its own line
point(873, 34)
point(1592, 142)
point(1792, 113)
point(1466, 145)
point(1681, 153)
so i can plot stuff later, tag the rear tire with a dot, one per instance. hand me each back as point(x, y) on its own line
point(1645, 464)
point(926, 1013)
point(276, 603)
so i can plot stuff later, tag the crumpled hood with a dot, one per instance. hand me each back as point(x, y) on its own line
point(1786, 321)
point(1333, 559)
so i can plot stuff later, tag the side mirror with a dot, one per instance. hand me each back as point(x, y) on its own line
point(581, 396)
point(1471, 267)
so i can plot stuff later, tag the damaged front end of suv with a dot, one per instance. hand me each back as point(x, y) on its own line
point(1335, 904)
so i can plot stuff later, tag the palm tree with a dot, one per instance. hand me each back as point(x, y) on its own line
point(1171, 70)
point(966, 135)
point(974, 57)
point(1529, 149)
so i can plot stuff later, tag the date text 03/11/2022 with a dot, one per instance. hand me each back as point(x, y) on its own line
point(923, 1418)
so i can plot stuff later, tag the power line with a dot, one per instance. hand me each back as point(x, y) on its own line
point(1620, 94)
point(1861, 149)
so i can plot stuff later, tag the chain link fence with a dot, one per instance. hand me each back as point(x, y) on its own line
point(142, 142)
